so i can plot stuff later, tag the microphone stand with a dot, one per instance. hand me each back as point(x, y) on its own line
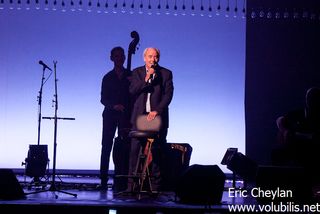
point(36, 179)
point(53, 184)
point(39, 104)
point(53, 187)
point(39, 99)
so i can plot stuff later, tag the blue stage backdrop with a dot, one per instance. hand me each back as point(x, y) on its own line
point(204, 49)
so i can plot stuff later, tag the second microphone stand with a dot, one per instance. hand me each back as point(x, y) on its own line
point(53, 184)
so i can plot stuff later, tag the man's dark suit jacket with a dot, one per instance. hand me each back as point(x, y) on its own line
point(161, 89)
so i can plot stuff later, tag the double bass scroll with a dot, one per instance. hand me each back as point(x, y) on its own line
point(132, 47)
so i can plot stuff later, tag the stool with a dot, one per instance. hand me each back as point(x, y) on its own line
point(148, 130)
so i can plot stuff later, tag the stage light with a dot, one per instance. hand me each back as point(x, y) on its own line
point(106, 6)
point(183, 9)
point(227, 9)
point(277, 15)
point(167, 8)
point(295, 14)
point(123, 9)
point(218, 9)
point(115, 7)
point(159, 8)
point(253, 15)
point(175, 8)
point(243, 12)
point(19, 3)
point(235, 15)
point(149, 8)
point(286, 14)
point(305, 14)
point(269, 15)
point(141, 7)
point(192, 10)
point(210, 12)
point(1, 7)
point(132, 9)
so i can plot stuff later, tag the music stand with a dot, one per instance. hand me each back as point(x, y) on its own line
point(53, 187)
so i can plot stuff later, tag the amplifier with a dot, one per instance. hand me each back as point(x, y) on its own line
point(175, 160)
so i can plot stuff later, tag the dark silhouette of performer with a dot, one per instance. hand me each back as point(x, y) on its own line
point(115, 97)
point(152, 87)
point(299, 134)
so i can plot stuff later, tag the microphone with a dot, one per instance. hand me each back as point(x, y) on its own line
point(44, 65)
point(150, 78)
point(154, 66)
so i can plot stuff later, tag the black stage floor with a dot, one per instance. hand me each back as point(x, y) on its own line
point(89, 199)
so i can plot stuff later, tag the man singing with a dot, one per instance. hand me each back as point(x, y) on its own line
point(152, 86)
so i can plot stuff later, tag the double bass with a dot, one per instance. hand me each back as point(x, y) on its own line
point(121, 149)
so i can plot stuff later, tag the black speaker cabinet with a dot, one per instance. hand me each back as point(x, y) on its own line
point(10, 188)
point(37, 160)
point(201, 184)
point(176, 159)
point(290, 183)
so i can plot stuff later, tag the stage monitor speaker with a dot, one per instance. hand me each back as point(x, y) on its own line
point(37, 160)
point(229, 155)
point(10, 188)
point(290, 183)
point(175, 160)
point(201, 184)
point(243, 166)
